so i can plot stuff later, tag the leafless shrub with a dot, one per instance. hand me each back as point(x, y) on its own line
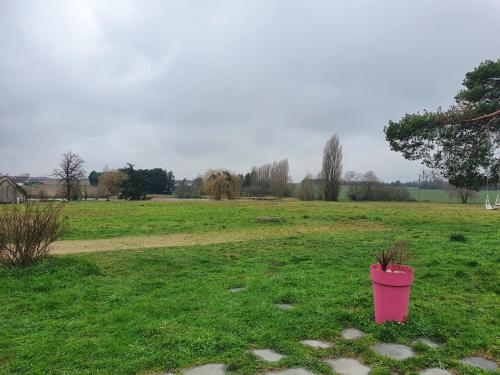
point(27, 230)
point(396, 254)
point(221, 183)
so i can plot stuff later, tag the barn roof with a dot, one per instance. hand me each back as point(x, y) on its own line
point(18, 188)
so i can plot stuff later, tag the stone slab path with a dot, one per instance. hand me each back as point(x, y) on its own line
point(210, 369)
point(317, 344)
point(435, 371)
point(393, 351)
point(268, 355)
point(352, 334)
point(426, 341)
point(348, 366)
point(292, 371)
point(284, 306)
point(237, 290)
point(479, 362)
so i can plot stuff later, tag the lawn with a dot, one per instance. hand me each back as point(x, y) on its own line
point(441, 196)
point(147, 311)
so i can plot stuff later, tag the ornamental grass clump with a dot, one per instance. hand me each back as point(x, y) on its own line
point(27, 230)
point(396, 254)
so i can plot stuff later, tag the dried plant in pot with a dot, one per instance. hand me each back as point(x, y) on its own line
point(391, 282)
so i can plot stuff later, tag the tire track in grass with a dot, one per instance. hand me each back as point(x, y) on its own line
point(214, 237)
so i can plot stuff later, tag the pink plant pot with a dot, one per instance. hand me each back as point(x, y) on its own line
point(391, 292)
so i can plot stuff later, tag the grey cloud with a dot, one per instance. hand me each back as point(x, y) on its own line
point(189, 85)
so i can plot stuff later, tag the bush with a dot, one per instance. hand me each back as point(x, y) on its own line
point(27, 230)
point(391, 193)
point(367, 187)
point(457, 237)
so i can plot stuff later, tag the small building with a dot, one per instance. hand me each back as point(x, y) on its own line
point(21, 180)
point(10, 192)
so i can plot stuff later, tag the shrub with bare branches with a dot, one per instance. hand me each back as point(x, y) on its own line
point(27, 230)
point(221, 183)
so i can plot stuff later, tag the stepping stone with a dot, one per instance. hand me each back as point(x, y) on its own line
point(317, 344)
point(352, 334)
point(210, 369)
point(435, 371)
point(236, 290)
point(393, 351)
point(426, 341)
point(284, 306)
point(348, 366)
point(292, 371)
point(268, 355)
point(479, 362)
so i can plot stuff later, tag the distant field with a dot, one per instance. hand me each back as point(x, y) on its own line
point(52, 189)
point(434, 195)
point(155, 310)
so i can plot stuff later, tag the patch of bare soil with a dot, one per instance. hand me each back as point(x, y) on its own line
point(192, 239)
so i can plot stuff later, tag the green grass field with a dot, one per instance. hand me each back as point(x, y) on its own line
point(441, 196)
point(148, 311)
point(431, 195)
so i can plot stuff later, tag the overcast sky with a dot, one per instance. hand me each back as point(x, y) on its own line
point(191, 85)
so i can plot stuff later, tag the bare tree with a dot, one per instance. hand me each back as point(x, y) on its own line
point(279, 177)
point(367, 186)
point(270, 178)
point(458, 194)
point(331, 172)
point(353, 181)
point(261, 179)
point(70, 173)
point(370, 182)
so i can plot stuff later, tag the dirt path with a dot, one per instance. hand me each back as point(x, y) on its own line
point(191, 239)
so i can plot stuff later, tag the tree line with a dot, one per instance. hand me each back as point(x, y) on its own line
point(125, 183)
point(270, 179)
